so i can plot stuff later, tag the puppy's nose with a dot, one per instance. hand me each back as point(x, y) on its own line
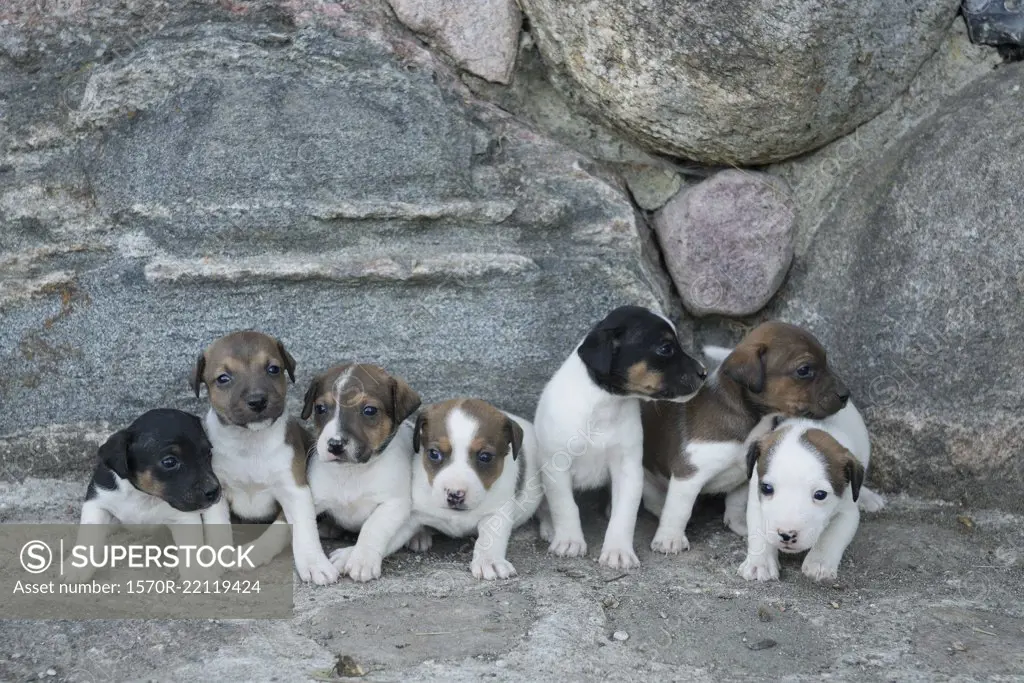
point(787, 536)
point(336, 446)
point(257, 402)
point(702, 372)
point(455, 498)
point(844, 395)
point(212, 493)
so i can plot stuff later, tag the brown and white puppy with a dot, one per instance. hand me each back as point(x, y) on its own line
point(259, 455)
point(697, 447)
point(362, 470)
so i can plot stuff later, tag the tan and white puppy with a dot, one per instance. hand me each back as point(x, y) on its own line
point(361, 472)
point(698, 447)
point(806, 479)
point(259, 455)
point(477, 473)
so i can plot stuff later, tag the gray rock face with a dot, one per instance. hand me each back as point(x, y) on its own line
point(337, 191)
point(915, 284)
point(742, 82)
point(728, 242)
point(481, 36)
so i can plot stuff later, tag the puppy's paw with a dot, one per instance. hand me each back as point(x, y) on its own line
point(869, 501)
point(339, 558)
point(363, 565)
point(547, 530)
point(421, 541)
point(760, 568)
point(316, 568)
point(77, 574)
point(619, 558)
point(491, 568)
point(819, 569)
point(736, 523)
point(256, 555)
point(670, 544)
point(568, 547)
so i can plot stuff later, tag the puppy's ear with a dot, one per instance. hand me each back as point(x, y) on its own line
point(855, 475)
point(421, 422)
point(197, 372)
point(598, 350)
point(745, 365)
point(289, 362)
point(311, 393)
point(753, 453)
point(404, 401)
point(514, 436)
point(114, 452)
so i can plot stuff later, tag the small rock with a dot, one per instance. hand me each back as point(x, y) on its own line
point(728, 241)
point(609, 603)
point(651, 187)
point(764, 614)
point(765, 644)
point(347, 667)
point(620, 636)
point(662, 615)
point(834, 605)
point(965, 521)
point(51, 672)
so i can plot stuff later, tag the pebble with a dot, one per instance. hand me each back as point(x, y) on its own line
point(765, 644)
point(620, 636)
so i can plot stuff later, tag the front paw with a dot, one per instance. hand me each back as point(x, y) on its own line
point(736, 523)
point(619, 558)
point(77, 574)
point(421, 541)
point(819, 569)
point(316, 568)
point(568, 547)
point(547, 530)
point(363, 565)
point(490, 568)
point(760, 568)
point(669, 543)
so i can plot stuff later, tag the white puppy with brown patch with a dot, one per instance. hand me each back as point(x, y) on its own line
point(806, 477)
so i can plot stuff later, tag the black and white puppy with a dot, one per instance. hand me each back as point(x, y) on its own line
point(155, 471)
point(589, 430)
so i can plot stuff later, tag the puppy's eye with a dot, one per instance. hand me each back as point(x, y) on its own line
point(820, 495)
point(170, 463)
point(767, 489)
point(274, 369)
point(435, 455)
point(666, 349)
point(223, 379)
point(805, 372)
point(369, 411)
point(320, 408)
point(485, 456)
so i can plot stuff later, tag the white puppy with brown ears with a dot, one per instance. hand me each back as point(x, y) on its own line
point(806, 477)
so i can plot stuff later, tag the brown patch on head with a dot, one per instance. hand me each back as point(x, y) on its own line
point(641, 379)
point(497, 437)
point(840, 464)
point(783, 368)
point(372, 405)
point(762, 450)
point(145, 481)
point(254, 366)
point(319, 400)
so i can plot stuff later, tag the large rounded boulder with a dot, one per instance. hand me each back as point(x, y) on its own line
point(741, 82)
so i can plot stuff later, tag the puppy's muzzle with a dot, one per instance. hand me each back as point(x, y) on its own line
point(336, 447)
point(456, 499)
point(211, 494)
point(257, 402)
point(787, 539)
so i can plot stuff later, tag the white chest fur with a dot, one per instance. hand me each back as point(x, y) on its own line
point(250, 464)
point(350, 492)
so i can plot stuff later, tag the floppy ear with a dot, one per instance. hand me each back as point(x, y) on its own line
point(745, 365)
point(514, 435)
point(421, 422)
point(597, 351)
point(404, 401)
point(753, 453)
point(114, 452)
point(311, 393)
point(855, 475)
point(289, 362)
point(197, 372)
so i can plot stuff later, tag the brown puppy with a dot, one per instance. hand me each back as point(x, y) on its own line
point(259, 455)
point(697, 447)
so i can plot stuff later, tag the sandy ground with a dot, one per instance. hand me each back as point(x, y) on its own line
point(926, 592)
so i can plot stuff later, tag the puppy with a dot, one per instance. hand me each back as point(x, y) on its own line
point(362, 470)
point(806, 479)
point(698, 447)
point(589, 430)
point(477, 472)
point(258, 453)
point(156, 471)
